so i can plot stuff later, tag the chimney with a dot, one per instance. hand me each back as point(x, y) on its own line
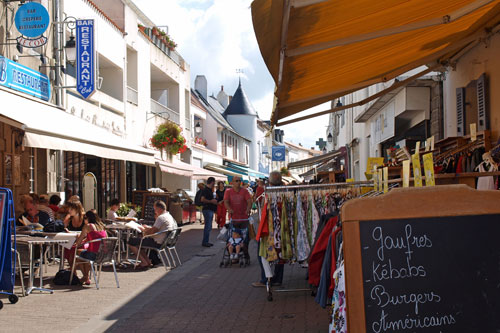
point(223, 98)
point(200, 85)
point(312, 148)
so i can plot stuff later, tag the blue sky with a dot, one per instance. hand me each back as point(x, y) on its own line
point(216, 38)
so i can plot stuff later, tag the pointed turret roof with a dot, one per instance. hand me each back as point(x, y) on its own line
point(240, 104)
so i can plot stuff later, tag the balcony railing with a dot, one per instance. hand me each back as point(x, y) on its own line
point(171, 54)
point(164, 111)
point(132, 96)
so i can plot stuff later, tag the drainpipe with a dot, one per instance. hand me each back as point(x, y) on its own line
point(58, 92)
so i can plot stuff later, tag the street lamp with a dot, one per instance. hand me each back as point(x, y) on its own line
point(197, 128)
point(330, 138)
point(70, 48)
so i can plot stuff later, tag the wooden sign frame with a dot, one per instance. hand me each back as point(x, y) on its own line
point(401, 203)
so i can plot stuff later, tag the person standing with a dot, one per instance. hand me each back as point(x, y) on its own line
point(238, 202)
point(209, 203)
point(221, 208)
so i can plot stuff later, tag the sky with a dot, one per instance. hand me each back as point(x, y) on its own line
point(216, 38)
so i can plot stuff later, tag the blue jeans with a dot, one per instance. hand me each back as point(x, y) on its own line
point(208, 216)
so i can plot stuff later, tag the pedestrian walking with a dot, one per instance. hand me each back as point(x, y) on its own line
point(209, 203)
point(221, 208)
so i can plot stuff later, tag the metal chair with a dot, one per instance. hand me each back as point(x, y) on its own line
point(161, 250)
point(172, 240)
point(17, 257)
point(105, 254)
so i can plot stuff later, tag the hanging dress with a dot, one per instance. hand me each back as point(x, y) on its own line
point(303, 247)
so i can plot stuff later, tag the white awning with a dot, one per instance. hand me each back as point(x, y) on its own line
point(187, 170)
point(49, 127)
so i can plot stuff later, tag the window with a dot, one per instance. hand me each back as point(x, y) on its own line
point(247, 159)
point(235, 149)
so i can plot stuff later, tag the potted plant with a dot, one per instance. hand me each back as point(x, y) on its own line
point(156, 31)
point(142, 28)
point(168, 137)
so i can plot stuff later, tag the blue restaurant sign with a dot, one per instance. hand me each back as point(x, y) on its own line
point(278, 153)
point(85, 57)
point(32, 20)
point(24, 79)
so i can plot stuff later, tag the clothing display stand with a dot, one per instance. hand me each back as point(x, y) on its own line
point(434, 245)
point(277, 190)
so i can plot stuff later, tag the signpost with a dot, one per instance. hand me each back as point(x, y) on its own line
point(24, 79)
point(32, 20)
point(85, 58)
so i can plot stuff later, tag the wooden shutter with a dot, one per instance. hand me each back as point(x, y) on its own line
point(482, 104)
point(460, 111)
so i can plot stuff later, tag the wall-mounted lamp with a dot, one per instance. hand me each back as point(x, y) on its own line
point(197, 128)
point(70, 48)
point(330, 138)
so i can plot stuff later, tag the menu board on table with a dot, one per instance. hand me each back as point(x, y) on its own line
point(148, 208)
point(431, 275)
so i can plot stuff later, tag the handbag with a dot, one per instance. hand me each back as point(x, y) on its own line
point(62, 278)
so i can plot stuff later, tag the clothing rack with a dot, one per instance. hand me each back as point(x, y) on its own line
point(315, 186)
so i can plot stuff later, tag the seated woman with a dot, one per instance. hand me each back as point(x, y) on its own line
point(74, 221)
point(94, 229)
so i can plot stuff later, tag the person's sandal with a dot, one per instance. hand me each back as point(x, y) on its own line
point(258, 284)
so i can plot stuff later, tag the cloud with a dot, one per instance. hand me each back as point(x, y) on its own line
point(216, 38)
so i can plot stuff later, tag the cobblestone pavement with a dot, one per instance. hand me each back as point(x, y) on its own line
point(195, 297)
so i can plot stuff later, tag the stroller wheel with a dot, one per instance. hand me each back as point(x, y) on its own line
point(13, 299)
point(221, 264)
point(242, 264)
point(269, 298)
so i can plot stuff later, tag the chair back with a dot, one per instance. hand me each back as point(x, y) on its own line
point(173, 237)
point(106, 250)
point(168, 234)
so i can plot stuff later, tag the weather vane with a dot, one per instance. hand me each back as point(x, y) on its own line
point(239, 71)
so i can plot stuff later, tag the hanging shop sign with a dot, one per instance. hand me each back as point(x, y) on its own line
point(278, 153)
point(32, 20)
point(24, 79)
point(85, 58)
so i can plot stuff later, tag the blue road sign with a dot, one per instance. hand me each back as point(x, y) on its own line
point(278, 153)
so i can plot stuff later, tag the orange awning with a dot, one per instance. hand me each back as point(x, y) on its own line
point(318, 50)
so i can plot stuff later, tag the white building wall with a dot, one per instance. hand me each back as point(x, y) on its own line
point(246, 126)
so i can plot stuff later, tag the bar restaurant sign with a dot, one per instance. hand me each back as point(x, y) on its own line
point(32, 20)
point(24, 79)
point(85, 58)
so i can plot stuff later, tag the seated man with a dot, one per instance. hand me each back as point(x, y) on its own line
point(164, 221)
point(31, 212)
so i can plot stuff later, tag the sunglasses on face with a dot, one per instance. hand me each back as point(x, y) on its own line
point(238, 181)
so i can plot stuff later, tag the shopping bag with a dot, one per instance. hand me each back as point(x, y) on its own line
point(251, 228)
point(223, 234)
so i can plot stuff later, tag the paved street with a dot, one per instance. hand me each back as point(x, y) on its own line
point(196, 297)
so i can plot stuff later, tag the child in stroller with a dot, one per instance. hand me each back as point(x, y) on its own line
point(234, 243)
point(237, 246)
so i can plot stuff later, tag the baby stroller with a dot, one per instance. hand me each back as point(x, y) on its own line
point(240, 226)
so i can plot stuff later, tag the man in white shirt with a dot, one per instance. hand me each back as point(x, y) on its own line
point(164, 221)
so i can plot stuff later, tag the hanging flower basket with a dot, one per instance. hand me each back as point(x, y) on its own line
point(169, 137)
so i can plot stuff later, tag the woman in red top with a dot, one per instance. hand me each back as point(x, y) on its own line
point(94, 229)
point(221, 209)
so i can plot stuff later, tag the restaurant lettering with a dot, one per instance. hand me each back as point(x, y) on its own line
point(85, 57)
point(398, 255)
point(32, 20)
point(24, 79)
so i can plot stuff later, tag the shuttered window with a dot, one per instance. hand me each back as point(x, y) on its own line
point(482, 103)
point(460, 111)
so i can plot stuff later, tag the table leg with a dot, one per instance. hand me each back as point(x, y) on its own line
point(119, 246)
point(31, 270)
point(61, 262)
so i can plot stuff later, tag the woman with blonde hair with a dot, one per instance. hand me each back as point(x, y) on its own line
point(74, 221)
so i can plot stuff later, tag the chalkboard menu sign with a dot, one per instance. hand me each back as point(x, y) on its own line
point(437, 274)
point(423, 260)
point(148, 207)
point(138, 198)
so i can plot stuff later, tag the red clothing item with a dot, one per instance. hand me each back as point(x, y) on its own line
point(258, 193)
point(263, 225)
point(318, 253)
point(334, 262)
point(238, 203)
point(221, 214)
point(54, 208)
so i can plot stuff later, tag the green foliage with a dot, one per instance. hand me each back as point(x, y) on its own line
point(169, 136)
point(125, 207)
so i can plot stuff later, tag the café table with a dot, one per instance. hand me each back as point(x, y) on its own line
point(120, 228)
point(31, 242)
